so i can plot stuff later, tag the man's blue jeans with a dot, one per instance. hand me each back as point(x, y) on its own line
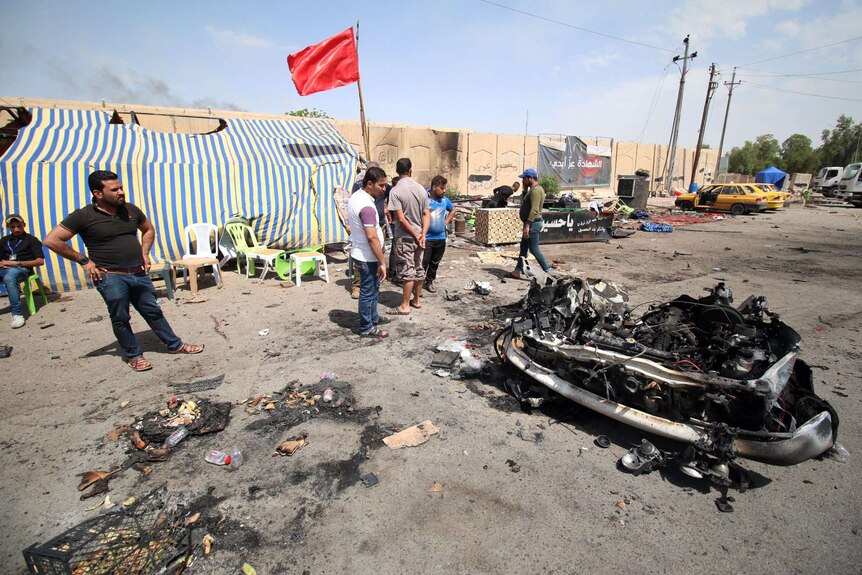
point(532, 244)
point(120, 290)
point(12, 278)
point(369, 290)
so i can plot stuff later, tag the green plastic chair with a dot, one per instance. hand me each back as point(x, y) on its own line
point(28, 292)
point(282, 262)
point(246, 244)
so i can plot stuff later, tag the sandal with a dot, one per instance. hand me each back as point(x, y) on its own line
point(140, 364)
point(383, 321)
point(515, 275)
point(396, 311)
point(375, 332)
point(188, 348)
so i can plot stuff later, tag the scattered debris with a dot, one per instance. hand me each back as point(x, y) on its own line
point(94, 319)
point(5, 351)
point(445, 359)
point(198, 385)
point(291, 445)
point(46, 326)
point(369, 480)
point(481, 288)
point(207, 542)
point(436, 487)
point(125, 403)
point(451, 297)
point(248, 569)
point(264, 332)
point(603, 441)
point(412, 436)
point(513, 466)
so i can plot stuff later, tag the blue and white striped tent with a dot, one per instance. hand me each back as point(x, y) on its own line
point(280, 174)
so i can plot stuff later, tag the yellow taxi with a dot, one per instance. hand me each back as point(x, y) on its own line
point(737, 199)
point(775, 198)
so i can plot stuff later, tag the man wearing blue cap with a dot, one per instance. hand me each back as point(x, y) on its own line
point(531, 215)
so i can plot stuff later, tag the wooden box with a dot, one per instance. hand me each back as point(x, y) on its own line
point(498, 226)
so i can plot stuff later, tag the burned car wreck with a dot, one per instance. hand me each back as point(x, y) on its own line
point(723, 379)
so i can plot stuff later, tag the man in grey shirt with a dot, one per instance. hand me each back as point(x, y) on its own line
point(409, 202)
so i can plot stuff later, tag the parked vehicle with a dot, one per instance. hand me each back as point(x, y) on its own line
point(827, 180)
point(850, 188)
point(775, 198)
point(737, 199)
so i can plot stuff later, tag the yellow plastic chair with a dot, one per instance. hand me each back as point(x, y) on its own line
point(246, 244)
point(28, 292)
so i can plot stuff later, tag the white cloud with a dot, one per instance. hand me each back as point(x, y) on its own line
point(590, 62)
point(728, 19)
point(233, 38)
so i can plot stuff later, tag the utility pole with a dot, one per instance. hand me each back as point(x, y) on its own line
point(668, 177)
point(710, 90)
point(730, 85)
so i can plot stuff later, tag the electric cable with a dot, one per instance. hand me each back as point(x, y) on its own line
point(566, 24)
point(800, 51)
point(802, 93)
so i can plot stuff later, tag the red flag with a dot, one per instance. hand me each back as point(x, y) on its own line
point(331, 64)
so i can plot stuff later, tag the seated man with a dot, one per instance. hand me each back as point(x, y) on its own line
point(19, 254)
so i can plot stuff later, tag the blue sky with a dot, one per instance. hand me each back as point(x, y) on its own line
point(457, 63)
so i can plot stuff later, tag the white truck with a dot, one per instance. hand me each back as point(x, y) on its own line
point(850, 188)
point(828, 180)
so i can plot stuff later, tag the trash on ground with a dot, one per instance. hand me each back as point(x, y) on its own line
point(642, 459)
point(369, 480)
point(513, 466)
point(5, 351)
point(231, 460)
point(123, 404)
point(94, 319)
point(264, 332)
point(248, 569)
point(412, 436)
point(436, 487)
point(655, 227)
point(603, 441)
point(452, 345)
point(328, 375)
point(481, 288)
point(46, 326)
point(292, 444)
point(451, 297)
point(445, 359)
point(838, 452)
point(442, 373)
point(90, 477)
point(198, 385)
point(141, 539)
point(207, 542)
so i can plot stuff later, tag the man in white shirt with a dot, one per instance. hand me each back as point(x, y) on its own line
point(367, 252)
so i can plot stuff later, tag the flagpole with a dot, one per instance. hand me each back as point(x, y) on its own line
point(365, 138)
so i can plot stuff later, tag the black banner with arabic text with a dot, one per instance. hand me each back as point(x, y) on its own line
point(576, 166)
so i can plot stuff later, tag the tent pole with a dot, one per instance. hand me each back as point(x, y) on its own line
point(365, 137)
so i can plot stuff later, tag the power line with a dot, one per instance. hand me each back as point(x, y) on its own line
point(801, 93)
point(804, 77)
point(808, 74)
point(655, 96)
point(566, 24)
point(801, 51)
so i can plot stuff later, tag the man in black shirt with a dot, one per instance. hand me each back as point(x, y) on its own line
point(19, 254)
point(120, 264)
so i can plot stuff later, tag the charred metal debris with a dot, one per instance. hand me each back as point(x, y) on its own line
point(725, 380)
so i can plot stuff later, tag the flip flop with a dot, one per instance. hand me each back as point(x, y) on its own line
point(375, 332)
point(187, 348)
point(415, 306)
point(383, 321)
point(140, 364)
point(396, 311)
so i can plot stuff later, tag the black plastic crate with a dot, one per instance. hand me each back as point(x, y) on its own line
point(141, 540)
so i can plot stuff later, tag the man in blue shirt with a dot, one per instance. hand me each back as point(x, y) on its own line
point(442, 212)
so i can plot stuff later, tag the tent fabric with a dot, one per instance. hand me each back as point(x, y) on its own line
point(771, 175)
point(280, 174)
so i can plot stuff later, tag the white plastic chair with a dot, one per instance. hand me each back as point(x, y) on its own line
point(298, 258)
point(202, 255)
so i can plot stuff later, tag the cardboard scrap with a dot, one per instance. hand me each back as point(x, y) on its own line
point(412, 436)
point(292, 444)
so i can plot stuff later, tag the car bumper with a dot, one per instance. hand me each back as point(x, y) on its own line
point(775, 205)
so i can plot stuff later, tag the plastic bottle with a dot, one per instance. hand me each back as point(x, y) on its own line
point(231, 460)
point(178, 435)
point(328, 395)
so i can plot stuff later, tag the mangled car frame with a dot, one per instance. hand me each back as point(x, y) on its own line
point(723, 379)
